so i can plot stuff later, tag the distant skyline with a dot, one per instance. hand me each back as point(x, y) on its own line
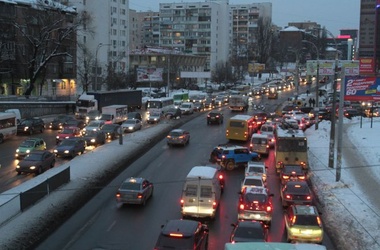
point(334, 15)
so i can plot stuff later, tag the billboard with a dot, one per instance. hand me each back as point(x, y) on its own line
point(362, 89)
point(367, 65)
point(149, 74)
point(327, 67)
point(197, 74)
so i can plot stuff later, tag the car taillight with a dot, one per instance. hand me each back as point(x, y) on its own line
point(294, 219)
point(251, 145)
point(319, 221)
point(285, 177)
point(182, 202)
point(267, 146)
point(288, 196)
point(214, 205)
point(118, 195)
point(176, 235)
point(301, 177)
point(139, 195)
point(308, 197)
point(223, 156)
point(269, 208)
point(241, 206)
point(181, 137)
point(221, 177)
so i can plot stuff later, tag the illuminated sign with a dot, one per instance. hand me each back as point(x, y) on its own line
point(362, 89)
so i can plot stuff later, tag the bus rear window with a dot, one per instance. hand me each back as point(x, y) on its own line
point(236, 124)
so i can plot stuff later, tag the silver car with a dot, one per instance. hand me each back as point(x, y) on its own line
point(134, 191)
point(131, 125)
point(178, 137)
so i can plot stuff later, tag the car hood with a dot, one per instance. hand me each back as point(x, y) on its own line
point(23, 149)
point(64, 147)
point(26, 163)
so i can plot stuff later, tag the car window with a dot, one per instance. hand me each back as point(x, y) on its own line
point(252, 182)
point(130, 186)
point(306, 220)
point(255, 170)
point(249, 198)
point(191, 190)
point(169, 242)
point(206, 191)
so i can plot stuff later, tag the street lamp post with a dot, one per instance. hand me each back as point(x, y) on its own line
point(317, 84)
point(96, 64)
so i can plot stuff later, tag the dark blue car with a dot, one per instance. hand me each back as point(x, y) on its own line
point(70, 147)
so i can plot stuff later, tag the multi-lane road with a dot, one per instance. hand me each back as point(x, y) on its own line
point(101, 224)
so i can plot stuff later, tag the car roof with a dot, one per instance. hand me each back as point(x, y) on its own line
point(38, 152)
point(249, 223)
point(184, 227)
point(134, 179)
point(177, 130)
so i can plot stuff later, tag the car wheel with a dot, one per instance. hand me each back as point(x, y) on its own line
point(230, 165)
point(1, 138)
point(52, 164)
point(42, 129)
point(143, 203)
point(39, 171)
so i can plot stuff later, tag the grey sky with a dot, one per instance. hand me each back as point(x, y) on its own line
point(332, 14)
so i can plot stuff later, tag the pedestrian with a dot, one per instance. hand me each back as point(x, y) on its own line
point(307, 92)
point(67, 108)
point(313, 101)
point(310, 101)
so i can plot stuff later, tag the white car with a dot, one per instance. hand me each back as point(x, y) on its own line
point(256, 169)
point(154, 117)
point(187, 108)
point(93, 125)
point(252, 181)
point(131, 125)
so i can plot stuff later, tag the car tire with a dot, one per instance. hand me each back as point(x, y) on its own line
point(230, 165)
point(1, 138)
point(143, 203)
point(52, 164)
point(18, 172)
point(39, 171)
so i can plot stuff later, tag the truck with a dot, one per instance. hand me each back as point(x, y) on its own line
point(114, 114)
point(97, 100)
point(272, 94)
point(238, 103)
point(179, 98)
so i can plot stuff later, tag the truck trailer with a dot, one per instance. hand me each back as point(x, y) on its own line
point(97, 100)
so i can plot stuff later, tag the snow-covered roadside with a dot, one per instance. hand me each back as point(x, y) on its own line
point(347, 212)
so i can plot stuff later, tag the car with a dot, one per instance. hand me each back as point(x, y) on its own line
point(93, 115)
point(209, 103)
point(59, 122)
point(173, 113)
point(290, 123)
point(111, 130)
point(93, 125)
point(199, 106)
point(271, 140)
point(248, 231)
point(94, 138)
point(31, 126)
point(215, 117)
point(296, 192)
point(256, 169)
point(268, 129)
point(288, 108)
point(350, 112)
point(28, 146)
point(255, 204)
point(154, 117)
point(134, 190)
point(187, 108)
point(134, 116)
point(67, 132)
point(36, 162)
point(131, 125)
point(232, 156)
point(183, 234)
point(70, 147)
point(75, 123)
point(219, 101)
point(178, 137)
point(303, 224)
point(292, 173)
point(252, 181)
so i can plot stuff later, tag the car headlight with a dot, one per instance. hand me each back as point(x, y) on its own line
point(18, 166)
point(17, 150)
point(67, 137)
point(92, 140)
point(57, 137)
point(27, 151)
point(26, 128)
point(55, 151)
point(66, 151)
point(130, 128)
point(32, 167)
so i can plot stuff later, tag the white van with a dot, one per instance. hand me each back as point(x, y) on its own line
point(16, 112)
point(201, 192)
point(187, 108)
point(260, 144)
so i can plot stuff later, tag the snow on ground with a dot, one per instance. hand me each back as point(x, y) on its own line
point(353, 220)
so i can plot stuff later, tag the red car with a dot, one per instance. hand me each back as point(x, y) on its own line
point(68, 132)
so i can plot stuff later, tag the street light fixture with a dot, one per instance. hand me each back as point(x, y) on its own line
point(317, 84)
point(96, 63)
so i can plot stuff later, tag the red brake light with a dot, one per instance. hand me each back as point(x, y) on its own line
point(241, 206)
point(285, 177)
point(301, 177)
point(223, 156)
point(221, 177)
point(139, 196)
point(182, 202)
point(214, 204)
point(269, 208)
point(294, 219)
point(117, 195)
point(288, 196)
point(308, 197)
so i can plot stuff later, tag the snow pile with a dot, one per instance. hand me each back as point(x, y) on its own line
point(348, 214)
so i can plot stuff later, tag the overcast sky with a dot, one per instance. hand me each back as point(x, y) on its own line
point(332, 14)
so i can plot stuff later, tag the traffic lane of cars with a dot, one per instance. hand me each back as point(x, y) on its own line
point(166, 168)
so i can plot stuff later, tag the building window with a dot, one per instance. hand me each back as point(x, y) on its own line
point(122, 1)
point(122, 11)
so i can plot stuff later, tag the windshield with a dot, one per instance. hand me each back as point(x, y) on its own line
point(67, 143)
point(68, 131)
point(129, 122)
point(108, 127)
point(249, 198)
point(154, 104)
point(130, 186)
point(91, 133)
point(33, 157)
point(93, 124)
point(26, 122)
point(27, 144)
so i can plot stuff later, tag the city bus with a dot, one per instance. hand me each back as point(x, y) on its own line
point(240, 127)
point(243, 89)
point(290, 148)
point(8, 125)
point(272, 94)
point(159, 105)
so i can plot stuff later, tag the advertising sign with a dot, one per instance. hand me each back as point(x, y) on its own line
point(327, 67)
point(149, 74)
point(362, 89)
point(366, 65)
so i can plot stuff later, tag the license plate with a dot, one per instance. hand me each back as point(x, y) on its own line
point(306, 231)
point(255, 216)
point(212, 118)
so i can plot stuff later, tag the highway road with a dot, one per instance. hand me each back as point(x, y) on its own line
point(101, 224)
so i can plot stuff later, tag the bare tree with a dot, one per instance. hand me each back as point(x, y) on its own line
point(264, 36)
point(46, 36)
